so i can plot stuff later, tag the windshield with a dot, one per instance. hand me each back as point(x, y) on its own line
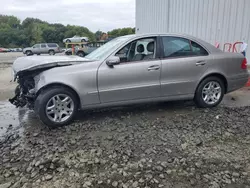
point(105, 50)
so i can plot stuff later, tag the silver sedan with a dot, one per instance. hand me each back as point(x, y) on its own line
point(128, 70)
point(76, 39)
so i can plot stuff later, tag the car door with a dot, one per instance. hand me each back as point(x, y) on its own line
point(76, 39)
point(44, 48)
point(183, 63)
point(36, 49)
point(135, 78)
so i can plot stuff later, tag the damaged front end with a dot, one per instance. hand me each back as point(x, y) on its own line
point(26, 72)
point(24, 92)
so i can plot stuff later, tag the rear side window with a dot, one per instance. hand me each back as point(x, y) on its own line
point(180, 47)
point(52, 45)
point(198, 50)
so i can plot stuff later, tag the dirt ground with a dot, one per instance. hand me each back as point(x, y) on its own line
point(9, 57)
point(169, 145)
point(7, 86)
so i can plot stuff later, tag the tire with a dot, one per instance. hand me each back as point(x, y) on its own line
point(81, 54)
point(28, 53)
point(38, 54)
point(68, 40)
point(43, 101)
point(51, 52)
point(213, 93)
point(83, 40)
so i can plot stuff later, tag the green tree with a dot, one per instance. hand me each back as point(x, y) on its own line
point(13, 33)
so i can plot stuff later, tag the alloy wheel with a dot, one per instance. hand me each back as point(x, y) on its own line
point(211, 92)
point(60, 108)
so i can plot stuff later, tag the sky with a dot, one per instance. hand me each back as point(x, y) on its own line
point(103, 15)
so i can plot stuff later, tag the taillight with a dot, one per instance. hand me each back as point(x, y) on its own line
point(244, 63)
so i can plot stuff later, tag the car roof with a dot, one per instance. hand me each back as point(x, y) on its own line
point(209, 47)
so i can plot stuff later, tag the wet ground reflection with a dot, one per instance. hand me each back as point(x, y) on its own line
point(12, 120)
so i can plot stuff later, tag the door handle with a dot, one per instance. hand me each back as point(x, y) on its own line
point(154, 67)
point(200, 63)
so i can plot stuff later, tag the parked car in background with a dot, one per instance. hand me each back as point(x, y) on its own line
point(128, 70)
point(18, 49)
point(76, 39)
point(43, 48)
point(4, 50)
point(85, 49)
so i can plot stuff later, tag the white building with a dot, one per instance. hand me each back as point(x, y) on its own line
point(222, 21)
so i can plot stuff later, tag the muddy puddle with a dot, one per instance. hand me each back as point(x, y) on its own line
point(12, 119)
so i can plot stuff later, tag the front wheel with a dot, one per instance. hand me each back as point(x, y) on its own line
point(28, 53)
point(81, 54)
point(210, 92)
point(56, 106)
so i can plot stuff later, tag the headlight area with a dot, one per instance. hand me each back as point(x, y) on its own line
point(24, 92)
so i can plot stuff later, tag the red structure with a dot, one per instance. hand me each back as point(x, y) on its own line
point(73, 49)
point(234, 46)
point(248, 83)
point(229, 47)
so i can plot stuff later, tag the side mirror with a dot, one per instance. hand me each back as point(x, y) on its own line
point(114, 60)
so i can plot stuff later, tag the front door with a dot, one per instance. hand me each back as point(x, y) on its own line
point(136, 77)
point(183, 64)
point(36, 49)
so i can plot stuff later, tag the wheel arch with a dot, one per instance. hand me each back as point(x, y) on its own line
point(59, 85)
point(218, 75)
point(29, 50)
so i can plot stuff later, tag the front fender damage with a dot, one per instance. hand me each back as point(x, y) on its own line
point(24, 92)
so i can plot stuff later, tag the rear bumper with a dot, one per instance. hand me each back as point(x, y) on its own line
point(235, 84)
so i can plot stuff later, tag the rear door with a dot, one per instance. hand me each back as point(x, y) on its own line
point(44, 48)
point(183, 64)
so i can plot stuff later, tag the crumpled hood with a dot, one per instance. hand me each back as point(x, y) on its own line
point(37, 62)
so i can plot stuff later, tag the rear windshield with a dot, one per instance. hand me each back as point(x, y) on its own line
point(52, 45)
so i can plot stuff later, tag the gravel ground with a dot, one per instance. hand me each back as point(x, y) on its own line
point(160, 145)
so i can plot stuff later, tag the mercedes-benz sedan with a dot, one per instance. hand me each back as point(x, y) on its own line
point(128, 70)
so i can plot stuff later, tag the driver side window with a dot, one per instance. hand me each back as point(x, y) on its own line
point(139, 50)
point(36, 46)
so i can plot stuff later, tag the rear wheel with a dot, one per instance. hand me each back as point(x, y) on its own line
point(210, 92)
point(56, 106)
point(68, 40)
point(51, 52)
point(83, 40)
